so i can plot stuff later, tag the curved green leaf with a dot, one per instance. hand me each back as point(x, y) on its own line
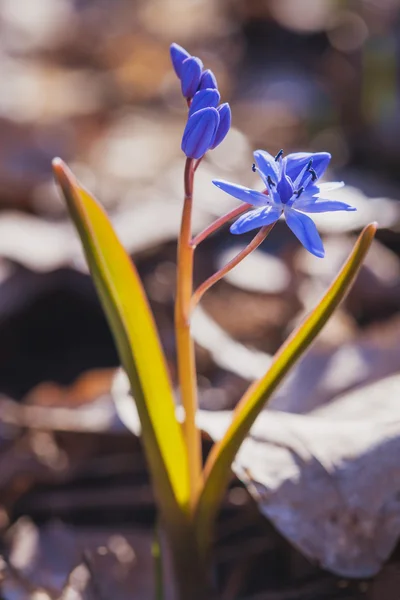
point(218, 466)
point(131, 321)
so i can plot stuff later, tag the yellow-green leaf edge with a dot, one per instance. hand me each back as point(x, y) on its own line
point(131, 321)
point(221, 457)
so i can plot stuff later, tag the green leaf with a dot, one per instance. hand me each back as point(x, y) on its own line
point(218, 466)
point(125, 305)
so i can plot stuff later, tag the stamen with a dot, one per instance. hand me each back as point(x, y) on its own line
point(280, 153)
point(313, 174)
point(309, 164)
point(270, 181)
point(253, 168)
point(299, 192)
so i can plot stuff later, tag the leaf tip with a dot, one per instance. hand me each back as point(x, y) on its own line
point(68, 184)
point(64, 177)
point(373, 226)
point(61, 170)
point(57, 161)
point(59, 166)
point(369, 231)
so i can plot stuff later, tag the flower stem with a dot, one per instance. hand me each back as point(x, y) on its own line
point(255, 242)
point(200, 237)
point(197, 164)
point(191, 570)
point(184, 342)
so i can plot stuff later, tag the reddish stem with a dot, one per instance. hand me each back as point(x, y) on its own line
point(196, 166)
point(256, 241)
point(236, 212)
point(184, 342)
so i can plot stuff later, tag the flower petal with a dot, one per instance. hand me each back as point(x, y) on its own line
point(208, 80)
point(190, 76)
point(296, 162)
point(319, 189)
point(310, 204)
point(178, 55)
point(256, 218)
point(225, 118)
point(305, 230)
point(203, 99)
point(328, 186)
point(268, 167)
point(242, 193)
point(199, 132)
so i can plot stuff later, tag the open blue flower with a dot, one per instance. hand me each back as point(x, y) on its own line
point(292, 189)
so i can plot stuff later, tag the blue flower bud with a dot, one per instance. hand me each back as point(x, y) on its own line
point(204, 98)
point(225, 118)
point(178, 55)
point(190, 76)
point(200, 132)
point(208, 80)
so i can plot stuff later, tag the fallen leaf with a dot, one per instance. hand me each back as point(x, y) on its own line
point(328, 480)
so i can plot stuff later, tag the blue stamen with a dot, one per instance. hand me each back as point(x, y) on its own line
point(299, 192)
point(253, 168)
point(309, 164)
point(280, 153)
point(270, 182)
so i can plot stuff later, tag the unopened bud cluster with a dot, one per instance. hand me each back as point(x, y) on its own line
point(208, 121)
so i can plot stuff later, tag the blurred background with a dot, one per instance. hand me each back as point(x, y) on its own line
point(91, 81)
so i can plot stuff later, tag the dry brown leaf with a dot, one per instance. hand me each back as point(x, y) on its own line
point(329, 481)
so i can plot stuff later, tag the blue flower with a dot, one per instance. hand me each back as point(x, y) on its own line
point(191, 71)
point(205, 129)
point(200, 132)
point(178, 55)
point(225, 118)
point(203, 99)
point(208, 80)
point(292, 189)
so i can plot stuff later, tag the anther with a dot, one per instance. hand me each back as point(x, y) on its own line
point(299, 192)
point(309, 164)
point(270, 182)
point(280, 153)
point(313, 174)
point(253, 168)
